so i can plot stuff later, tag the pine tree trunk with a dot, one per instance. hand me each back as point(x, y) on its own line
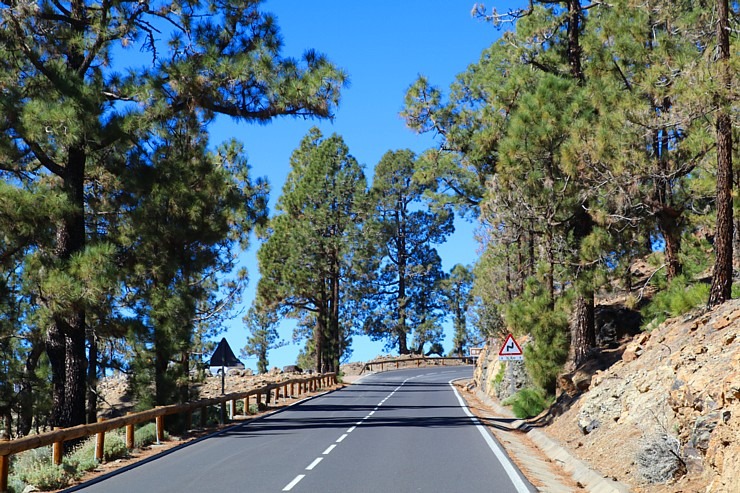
point(671, 231)
point(574, 44)
point(25, 396)
point(336, 338)
point(161, 360)
point(583, 336)
point(721, 288)
point(184, 387)
point(583, 331)
point(92, 378)
point(65, 338)
point(318, 340)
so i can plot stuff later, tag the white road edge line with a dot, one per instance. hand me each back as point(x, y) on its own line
point(294, 482)
point(314, 463)
point(329, 449)
point(516, 480)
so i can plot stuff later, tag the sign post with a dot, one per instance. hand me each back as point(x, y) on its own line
point(510, 351)
point(224, 357)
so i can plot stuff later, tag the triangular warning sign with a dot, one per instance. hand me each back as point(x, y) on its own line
point(224, 356)
point(510, 349)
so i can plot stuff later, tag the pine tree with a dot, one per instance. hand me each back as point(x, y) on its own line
point(263, 335)
point(64, 103)
point(305, 264)
point(402, 231)
point(458, 296)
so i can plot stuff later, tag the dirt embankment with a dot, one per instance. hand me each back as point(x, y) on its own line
point(665, 415)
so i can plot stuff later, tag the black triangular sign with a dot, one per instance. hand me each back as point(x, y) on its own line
point(224, 356)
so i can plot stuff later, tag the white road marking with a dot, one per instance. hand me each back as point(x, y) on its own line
point(495, 448)
point(294, 482)
point(351, 429)
point(329, 449)
point(314, 464)
point(339, 440)
point(370, 413)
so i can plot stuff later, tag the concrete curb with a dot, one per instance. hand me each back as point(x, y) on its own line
point(578, 470)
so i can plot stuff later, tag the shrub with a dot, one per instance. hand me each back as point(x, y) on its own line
point(146, 435)
point(659, 460)
point(528, 402)
point(115, 447)
point(15, 485)
point(46, 476)
point(83, 457)
point(678, 298)
point(34, 467)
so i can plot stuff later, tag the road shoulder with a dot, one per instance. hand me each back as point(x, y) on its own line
point(549, 467)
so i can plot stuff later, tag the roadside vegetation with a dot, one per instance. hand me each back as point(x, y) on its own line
point(587, 139)
point(35, 467)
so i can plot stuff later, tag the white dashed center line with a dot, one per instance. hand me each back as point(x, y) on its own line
point(294, 482)
point(331, 447)
point(314, 463)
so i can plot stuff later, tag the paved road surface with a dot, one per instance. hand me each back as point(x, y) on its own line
point(400, 431)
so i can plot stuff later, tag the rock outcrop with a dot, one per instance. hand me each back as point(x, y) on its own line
point(666, 416)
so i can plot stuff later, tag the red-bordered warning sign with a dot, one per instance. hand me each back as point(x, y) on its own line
point(510, 350)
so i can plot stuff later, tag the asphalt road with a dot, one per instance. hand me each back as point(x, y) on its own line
point(400, 431)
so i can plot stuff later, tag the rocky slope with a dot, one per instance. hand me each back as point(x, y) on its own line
point(660, 413)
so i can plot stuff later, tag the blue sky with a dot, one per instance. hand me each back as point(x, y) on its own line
point(383, 46)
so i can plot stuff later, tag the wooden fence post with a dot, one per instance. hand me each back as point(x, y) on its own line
point(203, 416)
point(292, 389)
point(129, 435)
point(100, 444)
point(188, 419)
point(246, 406)
point(159, 420)
point(57, 451)
point(232, 409)
point(4, 469)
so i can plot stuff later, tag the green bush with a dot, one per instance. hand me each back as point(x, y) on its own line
point(34, 467)
point(46, 476)
point(678, 298)
point(83, 457)
point(115, 447)
point(528, 402)
point(146, 435)
point(15, 485)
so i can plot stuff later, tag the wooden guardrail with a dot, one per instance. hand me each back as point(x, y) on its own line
point(406, 362)
point(56, 438)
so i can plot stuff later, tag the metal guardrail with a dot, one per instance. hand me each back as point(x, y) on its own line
point(56, 438)
point(402, 362)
